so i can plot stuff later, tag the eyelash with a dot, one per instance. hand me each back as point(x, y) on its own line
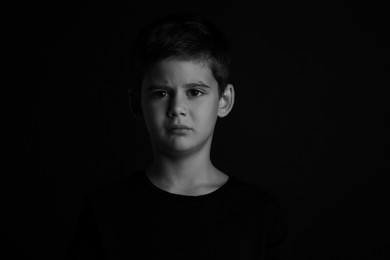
point(200, 93)
point(158, 93)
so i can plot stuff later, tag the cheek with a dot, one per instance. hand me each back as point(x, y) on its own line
point(152, 107)
point(207, 113)
point(153, 115)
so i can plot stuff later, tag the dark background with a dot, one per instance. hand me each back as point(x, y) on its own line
point(310, 122)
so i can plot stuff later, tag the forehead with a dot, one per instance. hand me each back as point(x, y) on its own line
point(176, 72)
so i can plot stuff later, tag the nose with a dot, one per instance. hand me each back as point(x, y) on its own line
point(177, 106)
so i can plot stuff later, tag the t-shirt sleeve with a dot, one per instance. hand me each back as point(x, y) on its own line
point(86, 243)
point(276, 231)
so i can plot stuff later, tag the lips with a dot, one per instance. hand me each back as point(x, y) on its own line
point(179, 129)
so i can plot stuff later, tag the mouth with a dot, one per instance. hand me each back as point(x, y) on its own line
point(179, 129)
point(178, 126)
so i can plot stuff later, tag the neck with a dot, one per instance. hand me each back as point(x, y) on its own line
point(182, 171)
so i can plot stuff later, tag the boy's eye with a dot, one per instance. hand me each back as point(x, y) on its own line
point(164, 93)
point(195, 92)
point(159, 94)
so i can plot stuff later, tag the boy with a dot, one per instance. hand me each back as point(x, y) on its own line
point(181, 206)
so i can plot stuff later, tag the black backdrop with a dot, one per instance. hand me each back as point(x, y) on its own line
point(310, 122)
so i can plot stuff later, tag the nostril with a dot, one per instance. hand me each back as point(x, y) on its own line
point(176, 111)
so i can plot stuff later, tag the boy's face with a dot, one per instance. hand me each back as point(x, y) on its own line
point(180, 105)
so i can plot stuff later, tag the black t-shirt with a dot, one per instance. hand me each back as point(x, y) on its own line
point(134, 219)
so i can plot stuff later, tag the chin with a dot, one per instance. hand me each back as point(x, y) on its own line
point(180, 145)
point(179, 148)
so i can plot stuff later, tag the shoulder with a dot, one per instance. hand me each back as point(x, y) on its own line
point(251, 197)
point(264, 205)
point(116, 191)
point(251, 191)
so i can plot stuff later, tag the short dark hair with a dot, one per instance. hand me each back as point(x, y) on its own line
point(183, 36)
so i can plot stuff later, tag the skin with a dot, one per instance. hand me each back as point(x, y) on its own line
point(183, 92)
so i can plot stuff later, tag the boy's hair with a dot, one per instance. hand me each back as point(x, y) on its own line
point(185, 37)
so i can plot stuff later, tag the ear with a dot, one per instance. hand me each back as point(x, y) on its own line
point(226, 101)
point(134, 104)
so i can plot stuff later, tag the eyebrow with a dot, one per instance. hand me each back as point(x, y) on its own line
point(189, 85)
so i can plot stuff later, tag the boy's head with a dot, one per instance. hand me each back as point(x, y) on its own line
point(183, 37)
point(181, 83)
